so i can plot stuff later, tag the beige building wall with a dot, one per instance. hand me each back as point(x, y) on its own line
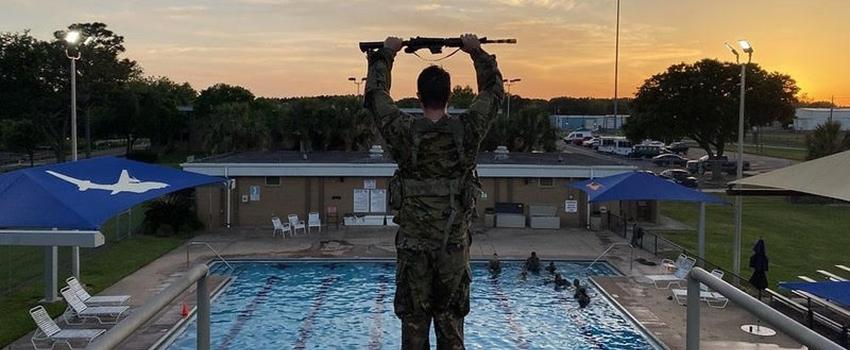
point(301, 195)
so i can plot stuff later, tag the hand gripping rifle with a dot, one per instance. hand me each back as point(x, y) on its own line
point(435, 45)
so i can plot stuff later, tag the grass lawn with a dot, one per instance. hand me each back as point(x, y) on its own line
point(793, 154)
point(100, 268)
point(800, 238)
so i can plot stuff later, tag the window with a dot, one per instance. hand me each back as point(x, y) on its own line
point(272, 180)
point(546, 182)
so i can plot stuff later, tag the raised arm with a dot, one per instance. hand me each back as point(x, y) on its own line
point(393, 124)
point(482, 112)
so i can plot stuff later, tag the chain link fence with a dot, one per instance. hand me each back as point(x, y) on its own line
point(22, 268)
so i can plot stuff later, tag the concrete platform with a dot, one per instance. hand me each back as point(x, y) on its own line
point(663, 317)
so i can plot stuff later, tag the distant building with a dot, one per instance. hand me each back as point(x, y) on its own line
point(278, 183)
point(588, 122)
point(809, 118)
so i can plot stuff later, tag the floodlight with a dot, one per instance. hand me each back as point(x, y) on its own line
point(745, 45)
point(732, 49)
point(72, 37)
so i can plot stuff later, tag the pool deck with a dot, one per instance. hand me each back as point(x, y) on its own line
point(663, 317)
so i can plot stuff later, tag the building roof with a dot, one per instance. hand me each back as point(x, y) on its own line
point(337, 163)
point(274, 157)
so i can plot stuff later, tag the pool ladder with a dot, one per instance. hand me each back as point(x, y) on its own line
point(631, 260)
point(191, 243)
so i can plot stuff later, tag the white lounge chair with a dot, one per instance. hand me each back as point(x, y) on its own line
point(713, 299)
point(296, 224)
point(84, 295)
point(79, 310)
point(313, 220)
point(279, 226)
point(683, 266)
point(50, 331)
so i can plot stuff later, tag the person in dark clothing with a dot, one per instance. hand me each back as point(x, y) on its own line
point(576, 286)
point(560, 282)
point(532, 264)
point(551, 268)
point(583, 297)
point(494, 265)
point(637, 235)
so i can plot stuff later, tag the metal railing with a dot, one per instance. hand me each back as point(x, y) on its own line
point(124, 329)
point(764, 312)
point(189, 244)
point(631, 259)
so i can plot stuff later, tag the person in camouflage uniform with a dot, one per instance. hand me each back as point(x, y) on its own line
point(434, 190)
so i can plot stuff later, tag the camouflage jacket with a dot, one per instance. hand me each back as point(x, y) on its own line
point(434, 152)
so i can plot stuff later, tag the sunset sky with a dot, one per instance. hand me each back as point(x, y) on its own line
point(566, 47)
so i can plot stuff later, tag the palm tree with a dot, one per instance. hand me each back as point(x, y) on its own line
point(827, 139)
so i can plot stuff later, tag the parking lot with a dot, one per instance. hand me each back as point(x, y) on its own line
point(758, 164)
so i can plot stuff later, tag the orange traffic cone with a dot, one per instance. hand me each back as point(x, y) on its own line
point(184, 311)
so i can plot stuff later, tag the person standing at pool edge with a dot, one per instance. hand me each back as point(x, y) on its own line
point(434, 190)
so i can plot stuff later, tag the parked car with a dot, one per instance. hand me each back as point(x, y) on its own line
point(589, 142)
point(669, 159)
point(679, 148)
point(578, 137)
point(647, 151)
point(681, 176)
point(729, 166)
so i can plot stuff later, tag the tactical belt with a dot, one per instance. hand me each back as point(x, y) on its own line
point(439, 187)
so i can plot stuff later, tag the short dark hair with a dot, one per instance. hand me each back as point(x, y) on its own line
point(435, 87)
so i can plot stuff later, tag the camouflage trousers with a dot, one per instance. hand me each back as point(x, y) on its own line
point(432, 285)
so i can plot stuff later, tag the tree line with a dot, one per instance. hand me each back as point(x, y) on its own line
point(116, 100)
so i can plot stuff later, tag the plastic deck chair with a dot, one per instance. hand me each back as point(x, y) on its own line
point(296, 224)
point(279, 226)
point(313, 220)
point(48, 330)
point(84, 295)
point(78, 309)
point(683, 267)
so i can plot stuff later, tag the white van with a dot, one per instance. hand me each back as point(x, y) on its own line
point(577, 137)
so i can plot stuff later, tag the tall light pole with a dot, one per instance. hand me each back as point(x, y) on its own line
point(508, 83)
point(357, 82)
point(616, 66)
point(72, 38)
point(736, 246)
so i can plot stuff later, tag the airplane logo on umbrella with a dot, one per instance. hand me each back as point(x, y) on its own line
point(125, 183)
point(594, 186)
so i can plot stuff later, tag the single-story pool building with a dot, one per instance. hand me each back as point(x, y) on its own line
point(353, 185)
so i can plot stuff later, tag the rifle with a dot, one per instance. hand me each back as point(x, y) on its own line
point(435, 45)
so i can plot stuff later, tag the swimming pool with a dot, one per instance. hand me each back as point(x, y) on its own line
point(348, 305)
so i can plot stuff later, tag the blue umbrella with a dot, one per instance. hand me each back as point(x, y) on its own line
point(638, 185)
point(83, 195)
point(641, 186)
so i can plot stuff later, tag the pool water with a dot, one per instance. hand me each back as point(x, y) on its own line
point(349, 305)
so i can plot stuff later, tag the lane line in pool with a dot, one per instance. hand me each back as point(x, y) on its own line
point(306, 330)
point(248, 312)
point(378, 314)
point(505, 306)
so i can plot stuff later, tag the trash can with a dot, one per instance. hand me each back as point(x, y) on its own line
point(595, 223)
point(489, 217)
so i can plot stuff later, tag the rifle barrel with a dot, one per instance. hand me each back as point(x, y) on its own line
point(421, 43)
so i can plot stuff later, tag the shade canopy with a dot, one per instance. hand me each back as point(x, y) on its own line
point(82, 195)
point(826, 176)
point(642, 186)
point(835, 291)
